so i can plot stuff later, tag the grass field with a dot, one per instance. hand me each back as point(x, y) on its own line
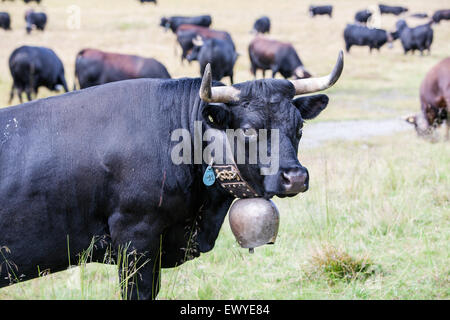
point(375, 223)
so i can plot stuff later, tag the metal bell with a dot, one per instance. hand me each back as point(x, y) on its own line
point(254, 222)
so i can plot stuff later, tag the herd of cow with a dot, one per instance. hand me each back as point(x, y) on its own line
point(95, 163)
point(32, 67)
point(417, 38)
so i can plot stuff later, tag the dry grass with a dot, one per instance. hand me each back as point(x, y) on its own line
point(380, 85)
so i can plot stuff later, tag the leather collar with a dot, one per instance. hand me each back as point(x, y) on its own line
point(229, 178)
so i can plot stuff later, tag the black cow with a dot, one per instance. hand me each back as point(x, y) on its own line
point(94, 67)
point(441, 15)
point(262, 25)
point(418, 38)
point(35, 19)
point(174, 22)
point(95, 168)
point(218, 53)
point(357, 35)
point(268, 54)
point(186, 33)
point(363, 16)
point(33, 67)
point(5, 21)
point(419, 15)
point(396, 10)
point(320, 10)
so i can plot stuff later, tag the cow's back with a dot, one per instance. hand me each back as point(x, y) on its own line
point(436, 84)
point(152, 68)
point(66, 162)
point(264, 51)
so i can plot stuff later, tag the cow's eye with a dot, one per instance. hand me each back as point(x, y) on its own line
point(249, 133)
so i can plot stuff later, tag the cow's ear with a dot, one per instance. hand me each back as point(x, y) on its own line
point(311, 106)
point(216, 115)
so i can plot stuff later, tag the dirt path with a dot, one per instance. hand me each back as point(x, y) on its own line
point(318, 133)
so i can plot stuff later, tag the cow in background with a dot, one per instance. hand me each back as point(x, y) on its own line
point(176, 21)
point(268, 54)
point(36, 20)
point(419, 15)
point(357, 35)
point(186, 33)
point(363, 16)
point(94, 67)
point(261, 25)
point(441, 15)
point(5, 21)
point(218, 53)
point(417, 38)
point(33, 67)
point(434, 101)
point(395, 10)
point(320, 10)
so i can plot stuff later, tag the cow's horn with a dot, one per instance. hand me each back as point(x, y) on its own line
point(223, 94)
point(310, 85)
point(197, 41)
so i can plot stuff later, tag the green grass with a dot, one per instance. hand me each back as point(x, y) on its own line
point(375, 224)
point(384, 200)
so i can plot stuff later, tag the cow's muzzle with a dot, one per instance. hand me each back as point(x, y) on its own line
point(294, 181)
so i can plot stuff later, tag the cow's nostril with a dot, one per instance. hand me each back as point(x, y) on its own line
point(295, 180)
point(285, 178)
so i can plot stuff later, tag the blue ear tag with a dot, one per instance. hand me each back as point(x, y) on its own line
point(209, 177)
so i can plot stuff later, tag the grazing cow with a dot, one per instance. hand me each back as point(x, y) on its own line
point(186, 33)
point(434, 100)
point(363, 16)
point(396, 10)
point(5, 21)
point(35, 19)
point(357, 35)
point(320, 10)
point(174, 22)
point(33, 67)
point(441, 15)
point(218, 53)
point(268, 54)
point(262, 25)
point(95, 67)
point(418, 38)
point(95, 168)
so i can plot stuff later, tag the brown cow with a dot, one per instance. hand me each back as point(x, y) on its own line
point(434, 99)
point(94, 67)
point(277, 56)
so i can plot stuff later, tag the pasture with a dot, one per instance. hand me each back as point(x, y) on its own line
point(375, 223)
